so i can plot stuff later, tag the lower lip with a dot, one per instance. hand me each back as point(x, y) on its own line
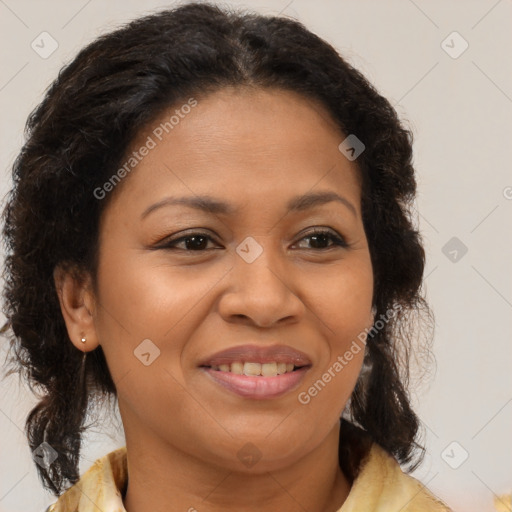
point(258, 388)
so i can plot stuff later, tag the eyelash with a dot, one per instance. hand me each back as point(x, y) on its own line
point(336, 239)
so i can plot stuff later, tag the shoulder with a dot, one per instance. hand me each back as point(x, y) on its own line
point(101, 487)
point(382, 485)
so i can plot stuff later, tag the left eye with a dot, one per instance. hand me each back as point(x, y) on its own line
point(321, 237)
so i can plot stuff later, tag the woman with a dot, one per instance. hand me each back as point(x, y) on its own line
point(210, 222)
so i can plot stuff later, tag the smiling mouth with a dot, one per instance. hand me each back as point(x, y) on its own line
point(256, 371)
point(253, 369)
point(258, 381)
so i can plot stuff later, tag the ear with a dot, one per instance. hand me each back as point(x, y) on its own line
point(77, 303)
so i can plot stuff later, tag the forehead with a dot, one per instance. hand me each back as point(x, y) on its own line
point(241, 142)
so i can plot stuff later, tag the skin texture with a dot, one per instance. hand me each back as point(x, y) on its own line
point(254, 149)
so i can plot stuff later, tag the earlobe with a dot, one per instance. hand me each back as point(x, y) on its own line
point(77, 305)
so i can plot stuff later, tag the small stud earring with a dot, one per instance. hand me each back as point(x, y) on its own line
point(83, 340)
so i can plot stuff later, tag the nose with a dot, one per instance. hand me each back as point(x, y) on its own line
point(262, 293)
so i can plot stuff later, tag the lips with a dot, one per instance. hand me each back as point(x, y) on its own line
point(257, 372)
point(258, 354)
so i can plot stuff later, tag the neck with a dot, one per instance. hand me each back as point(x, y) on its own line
point(162, 477)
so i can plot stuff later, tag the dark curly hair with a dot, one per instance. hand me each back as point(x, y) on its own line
point(76, 139)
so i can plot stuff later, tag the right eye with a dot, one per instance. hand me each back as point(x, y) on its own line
point(193, 242)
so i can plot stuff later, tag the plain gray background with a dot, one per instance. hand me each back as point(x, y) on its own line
point(458, 102)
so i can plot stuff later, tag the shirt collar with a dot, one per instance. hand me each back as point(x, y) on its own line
point(380, 485)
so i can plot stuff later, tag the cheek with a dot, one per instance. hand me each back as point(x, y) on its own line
point(343, 299)
point(140, 301)
point(343, 303)
point(150, 299)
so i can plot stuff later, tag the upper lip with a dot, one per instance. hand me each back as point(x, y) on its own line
point(258, 354)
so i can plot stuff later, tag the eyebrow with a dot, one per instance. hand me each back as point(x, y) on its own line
point(211, 205)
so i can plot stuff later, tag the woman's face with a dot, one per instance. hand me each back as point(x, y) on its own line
point(180, 284)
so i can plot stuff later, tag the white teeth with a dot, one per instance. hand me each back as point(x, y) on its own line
point(252, 369)
point(237, 368)
point(255, 369)
point(281, 368)
point(269, 369)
